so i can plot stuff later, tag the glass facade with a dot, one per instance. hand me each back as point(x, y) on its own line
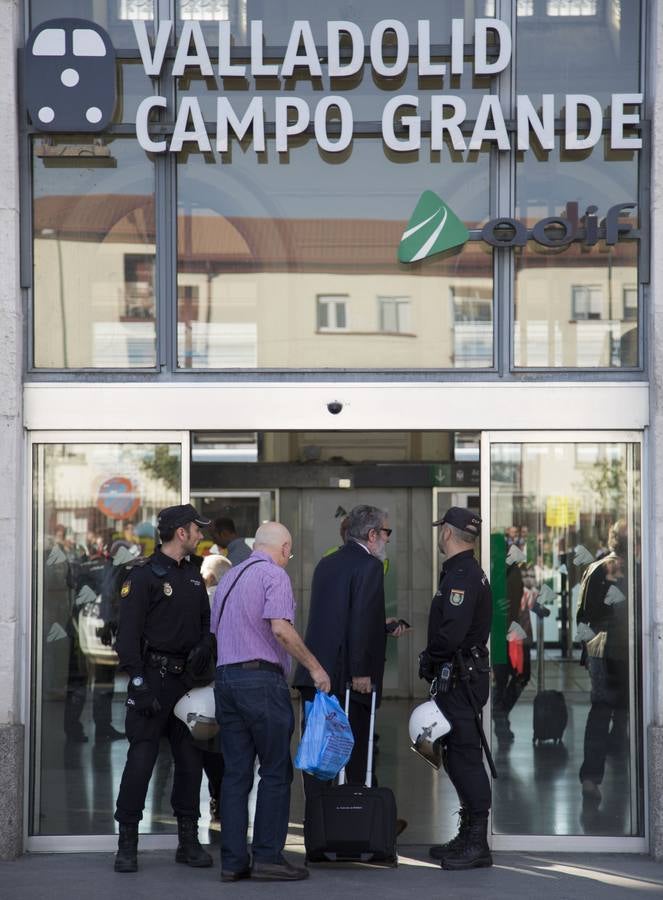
point(566, 574)
point(264, 238)
point(94, 508)
point(94, 247)
point(264, 264)
point(576, 307)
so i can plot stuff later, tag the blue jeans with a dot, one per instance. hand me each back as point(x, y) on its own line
point(254, 711)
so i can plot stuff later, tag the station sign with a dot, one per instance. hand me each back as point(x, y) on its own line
point(69, 85)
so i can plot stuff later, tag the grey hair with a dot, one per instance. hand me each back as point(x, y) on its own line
point(459, 535)
point(362, 519)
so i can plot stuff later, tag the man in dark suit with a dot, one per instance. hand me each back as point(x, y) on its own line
point(347, 626)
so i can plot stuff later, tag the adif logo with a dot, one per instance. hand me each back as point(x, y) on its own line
point(69, 69)
point(432, 229)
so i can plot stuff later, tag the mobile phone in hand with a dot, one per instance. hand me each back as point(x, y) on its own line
point(392, 626)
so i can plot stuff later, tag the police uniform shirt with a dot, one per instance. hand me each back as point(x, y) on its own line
point(461, 610)
point(164, 606)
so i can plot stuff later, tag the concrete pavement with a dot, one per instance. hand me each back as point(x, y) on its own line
point(90, 876)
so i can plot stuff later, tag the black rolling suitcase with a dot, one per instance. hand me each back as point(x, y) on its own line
point(346, 822)
point(550, 714)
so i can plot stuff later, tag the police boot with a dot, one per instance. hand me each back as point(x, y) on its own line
point(437, 851)
point(473, 852)
point(126, 859)
point(189, 850)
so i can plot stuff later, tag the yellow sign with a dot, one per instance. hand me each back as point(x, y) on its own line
point(561, 511)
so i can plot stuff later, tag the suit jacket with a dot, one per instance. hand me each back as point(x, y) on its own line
point(346, 625)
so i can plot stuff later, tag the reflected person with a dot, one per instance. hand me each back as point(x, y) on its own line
point(602, 618)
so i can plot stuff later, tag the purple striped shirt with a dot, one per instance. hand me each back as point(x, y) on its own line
point(245, 630)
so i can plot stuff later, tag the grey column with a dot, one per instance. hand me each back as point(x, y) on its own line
point(654, 325)
point(13, 481)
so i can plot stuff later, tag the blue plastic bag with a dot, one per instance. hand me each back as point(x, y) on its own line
point(327, 741)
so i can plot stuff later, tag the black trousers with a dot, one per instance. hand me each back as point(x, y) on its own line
point(509, 684)
point(463, 755)
point(144, 736)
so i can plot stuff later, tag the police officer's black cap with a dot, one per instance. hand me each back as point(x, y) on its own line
point(177, 516)
point(461, 518)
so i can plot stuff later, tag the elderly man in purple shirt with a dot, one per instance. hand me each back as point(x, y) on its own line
point(252, 617)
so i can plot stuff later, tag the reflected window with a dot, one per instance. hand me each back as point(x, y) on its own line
point(95, 511)
point(571, 7)
point(137, 10)
point(587, 301)
point(630, 301)
point(94, 254)
point(473, 328)
point(523, 8)
point(566, 577)
point(139, 281)
point(332, 312)
point(204, 10)
point(394, 314)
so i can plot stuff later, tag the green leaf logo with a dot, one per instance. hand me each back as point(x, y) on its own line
point(432, 229)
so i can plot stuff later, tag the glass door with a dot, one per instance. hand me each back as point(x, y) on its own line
point(562, 542)
point(94, 505)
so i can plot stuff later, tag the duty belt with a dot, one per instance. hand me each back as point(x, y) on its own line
point(171, 665)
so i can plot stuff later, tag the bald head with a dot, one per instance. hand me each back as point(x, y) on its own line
point(274, 539)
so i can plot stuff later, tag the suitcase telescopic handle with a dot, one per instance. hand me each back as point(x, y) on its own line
point(371, 733)
point(348, 686)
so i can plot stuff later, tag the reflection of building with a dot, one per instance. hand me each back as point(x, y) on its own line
point(239, 329)
point(340, 284)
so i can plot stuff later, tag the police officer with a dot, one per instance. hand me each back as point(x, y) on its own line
point(163, 635)
point(456, 662)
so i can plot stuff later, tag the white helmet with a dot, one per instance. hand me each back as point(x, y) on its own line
point(197, 710)
point(427, 726)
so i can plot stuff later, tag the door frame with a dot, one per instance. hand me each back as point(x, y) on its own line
point(31, 711)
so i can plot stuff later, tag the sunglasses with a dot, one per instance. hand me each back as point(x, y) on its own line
point(387, 531)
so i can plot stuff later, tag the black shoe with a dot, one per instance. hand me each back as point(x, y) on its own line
point(438, 851)
point(283, 871)
point(108, 733)
point(503, 732)
point(235, 876)
point(473, 852)
point(126, 859)
point(189, 850)
point(77, 736)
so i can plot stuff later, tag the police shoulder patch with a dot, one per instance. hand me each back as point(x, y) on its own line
point(124, 590)
point(456, 597)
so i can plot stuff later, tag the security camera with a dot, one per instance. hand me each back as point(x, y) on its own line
point(334, 407)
